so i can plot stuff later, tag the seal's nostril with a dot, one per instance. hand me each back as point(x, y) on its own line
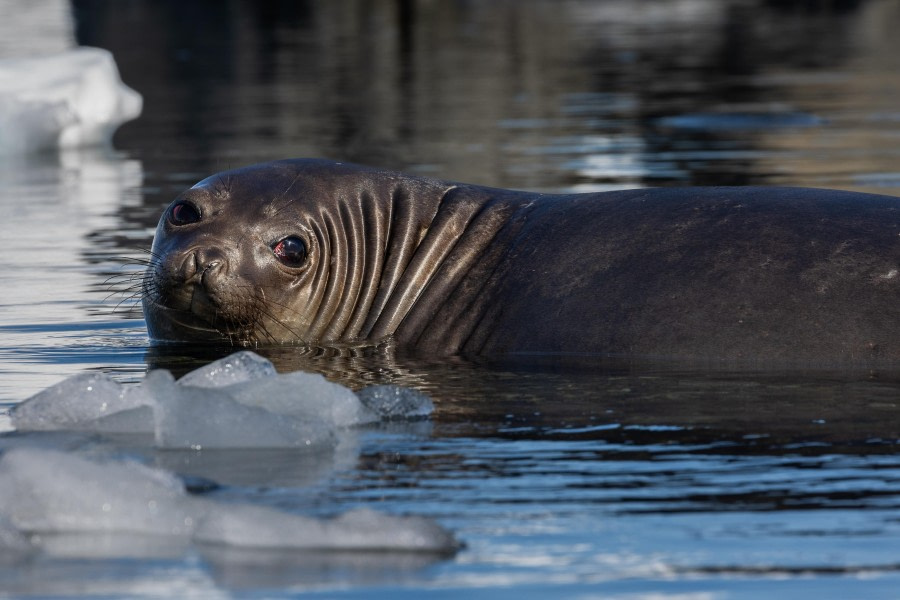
point(201, 263)
point(207, 258)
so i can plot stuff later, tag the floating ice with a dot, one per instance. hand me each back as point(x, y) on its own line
point(252, 380)
point(235, 368)
point(76, 403)
point(236, 402)
point(193, 417)
point(49, 491)
point(393, 402)
point(66, 100)
point(304, 396)
point(52, 491)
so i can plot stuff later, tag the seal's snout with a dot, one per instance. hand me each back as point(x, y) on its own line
point(202, 265)
point(209, 262)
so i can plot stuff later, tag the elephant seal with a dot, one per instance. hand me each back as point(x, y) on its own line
point(323, 253)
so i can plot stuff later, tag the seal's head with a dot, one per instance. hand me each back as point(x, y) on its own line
point(285, 252)
point(233, 258)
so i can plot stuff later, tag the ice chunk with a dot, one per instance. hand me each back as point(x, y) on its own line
point(236, 402)
point(193, 417)
point(393, 402)
point(74, 98)
point(235, 368)
point(51, 491)
point(304, 396)
point(133, 421)
point(75, 403)
point(361, 529)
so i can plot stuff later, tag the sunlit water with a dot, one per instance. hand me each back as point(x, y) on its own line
point(564, 477)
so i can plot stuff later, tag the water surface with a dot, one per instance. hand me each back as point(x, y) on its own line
point(565, 476)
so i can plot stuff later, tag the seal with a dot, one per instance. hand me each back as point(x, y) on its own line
point(321, 253)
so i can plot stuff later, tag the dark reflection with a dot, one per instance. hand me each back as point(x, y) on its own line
point(809, 410)
point(533, 94)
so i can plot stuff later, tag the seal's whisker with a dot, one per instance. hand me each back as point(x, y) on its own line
point(267, 334)
point(283, 194)
point(281, 323)
point(130, 280)
point(265, 311)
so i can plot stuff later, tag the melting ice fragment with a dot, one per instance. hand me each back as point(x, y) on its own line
point(304, 396)
point(66, 100)
point(77, 403)
point(237, 402)
point(393, 402)
point(234, 368)
point(52, 491)
point(55, 492)
point(193, 417)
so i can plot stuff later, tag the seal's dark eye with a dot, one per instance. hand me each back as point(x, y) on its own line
point(184, 213)
point(291, 251)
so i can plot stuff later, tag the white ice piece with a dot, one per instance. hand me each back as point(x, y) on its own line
point(206, 409)
point(65, 100)
point(394, 402)
point(235, 368)
point(305, 396)
point(49, 491)
point(52, 491)
point(76, 403)
point(194, 417)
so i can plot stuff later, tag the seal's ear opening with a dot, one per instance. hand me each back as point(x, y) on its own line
point(290, 251)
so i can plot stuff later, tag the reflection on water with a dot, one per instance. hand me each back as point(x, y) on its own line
point(563, 475)
point(536, 94)
point(60, 234)
point(623, 400)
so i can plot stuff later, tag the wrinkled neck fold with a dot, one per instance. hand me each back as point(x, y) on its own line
point(383, 251)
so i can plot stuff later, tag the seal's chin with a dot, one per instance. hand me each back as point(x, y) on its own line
point(177, 325)
point(203, 323)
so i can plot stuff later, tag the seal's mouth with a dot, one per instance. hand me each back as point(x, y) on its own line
point(208, 307)
point(177, 324)
point(191, 314)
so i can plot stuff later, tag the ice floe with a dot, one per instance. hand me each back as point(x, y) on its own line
point(237, 402)
point(53, 492)
point(77, 403)
point(74, 98)
point(192, 417)
point(236, 368)
point(394, 402)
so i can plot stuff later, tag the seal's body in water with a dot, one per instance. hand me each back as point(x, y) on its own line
point(328, 254)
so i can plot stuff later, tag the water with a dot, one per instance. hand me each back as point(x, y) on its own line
point(563, 476)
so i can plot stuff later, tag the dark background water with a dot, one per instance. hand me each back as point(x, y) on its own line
point(529, 94)
point(565, 477)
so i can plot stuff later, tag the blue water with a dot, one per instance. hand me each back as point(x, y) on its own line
point(564, 477)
